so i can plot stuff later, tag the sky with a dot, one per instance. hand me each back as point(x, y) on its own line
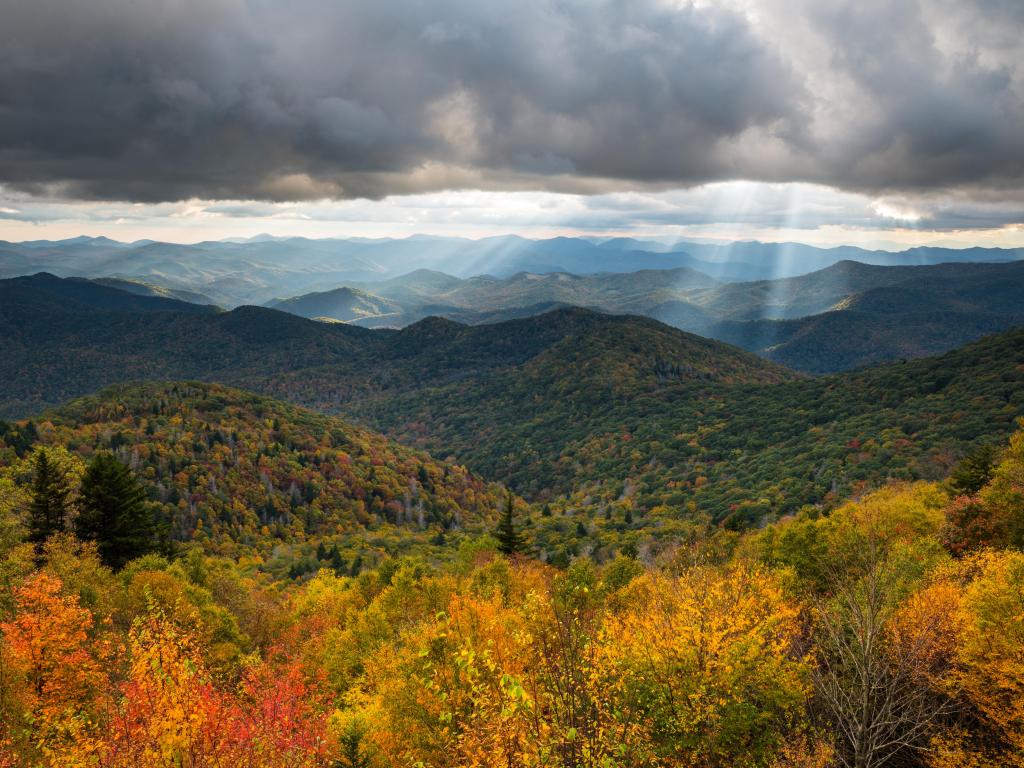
point(878, 123)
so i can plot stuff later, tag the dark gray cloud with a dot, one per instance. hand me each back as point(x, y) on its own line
point(154, 100)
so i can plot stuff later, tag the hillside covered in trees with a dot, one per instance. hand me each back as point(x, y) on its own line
point(584, 410)
point(712, 559)
point(241, 474)
point(554, 426)
point(886, 633)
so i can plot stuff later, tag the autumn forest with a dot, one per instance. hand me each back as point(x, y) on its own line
point(511, 384)
point(194, 576)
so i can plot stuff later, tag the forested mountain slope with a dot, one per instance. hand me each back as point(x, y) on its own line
point(343, 304)
point(44, 293)
point(733, 450)
point(49, 354)
point(572, 402)
point(845, 316)
point(248, 474)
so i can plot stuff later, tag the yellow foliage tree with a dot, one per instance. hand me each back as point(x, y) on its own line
point(706, 664)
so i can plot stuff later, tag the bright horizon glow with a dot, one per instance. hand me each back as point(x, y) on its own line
point(725, 211)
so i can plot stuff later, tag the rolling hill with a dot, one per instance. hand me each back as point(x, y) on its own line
point(261, 269)
point(567, 422)
point(574, 405)
point(149, 289)
point(344, 304)
point(244, 473)
point(845, 316)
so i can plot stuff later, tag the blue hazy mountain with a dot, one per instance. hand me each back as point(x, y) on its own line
point(262, 269)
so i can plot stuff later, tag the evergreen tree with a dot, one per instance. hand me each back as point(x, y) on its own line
point(115, 513)
point(510, 541)
point(48, 512)
point(974, 471)
point(336, 561)
point(351, 743)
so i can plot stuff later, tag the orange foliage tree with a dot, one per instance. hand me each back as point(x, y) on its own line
point(54, 673)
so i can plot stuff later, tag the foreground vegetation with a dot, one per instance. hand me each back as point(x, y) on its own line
point(888, 632)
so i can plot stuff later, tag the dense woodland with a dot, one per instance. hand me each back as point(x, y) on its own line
point(246, 475)
point(888, 632)
point(573, 405)
point(493, 449)
point(575, 540)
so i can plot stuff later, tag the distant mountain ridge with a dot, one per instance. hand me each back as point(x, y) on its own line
point(844, 316)
point(50, 352)
point(589, 407)
point(260, 270)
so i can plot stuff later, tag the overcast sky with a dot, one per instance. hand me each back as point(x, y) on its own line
point(869, 121)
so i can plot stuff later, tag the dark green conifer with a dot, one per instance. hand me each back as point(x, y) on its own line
point(115, 513)
point(350, 742)
point(336, 561)
point(510, 541)
point(48, 513)
point(974, 470)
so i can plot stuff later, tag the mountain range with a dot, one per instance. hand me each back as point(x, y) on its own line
point(584, 407)
point(259, 270)
point(843, 316)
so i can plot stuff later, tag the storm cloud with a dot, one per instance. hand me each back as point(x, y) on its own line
point(165, 100)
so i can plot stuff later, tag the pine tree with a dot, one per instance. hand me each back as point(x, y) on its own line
point(510, 541)
point(336, 561)
point(115, 513)
point(974, 471)
point(351, 743)
point(48, 512)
